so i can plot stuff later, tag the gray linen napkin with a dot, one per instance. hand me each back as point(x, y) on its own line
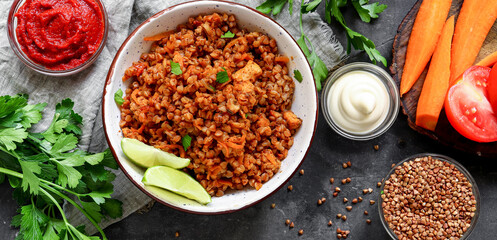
point(85, 88)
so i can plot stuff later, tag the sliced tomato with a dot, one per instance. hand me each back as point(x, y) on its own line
point(492, 88)
point(467, 106)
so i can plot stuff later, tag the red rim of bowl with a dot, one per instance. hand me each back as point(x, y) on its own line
point(11, 24)
point(108, 80)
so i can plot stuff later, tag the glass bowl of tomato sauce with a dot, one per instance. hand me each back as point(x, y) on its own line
point(57, 38)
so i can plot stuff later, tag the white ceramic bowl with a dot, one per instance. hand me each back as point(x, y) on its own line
point(305, 103)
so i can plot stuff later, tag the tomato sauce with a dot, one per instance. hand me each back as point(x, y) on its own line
point(60, 34)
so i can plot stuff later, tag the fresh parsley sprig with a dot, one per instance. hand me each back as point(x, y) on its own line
point(319, 69)
point(355, 39)
point(274, 6)
point(366, 12)
point(45, 169)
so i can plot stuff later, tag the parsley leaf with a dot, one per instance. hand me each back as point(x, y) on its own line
point(363, 13)
point(12, 120)
point(31, 222)
point(228, 34)
point(175, 68)
point(29, 178)
point(186, 141)
point(342, 3)
point(31, 114)
point(16, 220)
point(68, 176)
point(48, 171)
point(355, 39)
point(319, 69)
point(9, 137)
point(73, 161)
point(65, 110)
point(368, 11)
point(10, 104)
point(222, 76)
point(118, 97)
point(94, 158)
point(64, 143)
point(98, 173)
point(360, 42)
point(50, 232)
point(273, 6)
point(99, 196)
point(375, 9)
point(78, 233)
point(112, 207)
point(297, 75)
point(93, 209)
point(108, 160)
point(310, 6)
point(55, 128)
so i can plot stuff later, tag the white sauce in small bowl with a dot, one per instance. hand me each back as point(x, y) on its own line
point(358, 102)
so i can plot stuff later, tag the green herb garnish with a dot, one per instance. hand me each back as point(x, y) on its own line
point(222, 76)
point(365, 10)
point(186, 141)
point(45, 169)
point(118, 97)
point(355, 39)
point(228, 34)
point(297, 75)
point(319, 69)
point(275, 6)
point(175, 68)
point(368, 11)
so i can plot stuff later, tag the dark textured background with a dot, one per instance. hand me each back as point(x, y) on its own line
point(324, 160)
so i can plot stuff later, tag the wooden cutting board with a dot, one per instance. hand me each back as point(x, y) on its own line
point(444, 133)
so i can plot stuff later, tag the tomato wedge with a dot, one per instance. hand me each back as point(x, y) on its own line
point(492, 88)
point(467, 106)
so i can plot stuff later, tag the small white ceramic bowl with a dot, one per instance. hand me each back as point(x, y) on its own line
point(305, 103)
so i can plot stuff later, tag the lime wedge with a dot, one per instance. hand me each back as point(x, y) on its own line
point(171, 197)
point(147, 156)
point(176, 181)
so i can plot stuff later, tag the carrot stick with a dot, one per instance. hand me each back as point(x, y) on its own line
point(475, 20)
point(423, 40)
point(158, 37)
point(283, 59)
point(436, 84)
point(225, 182)
point(488, 61)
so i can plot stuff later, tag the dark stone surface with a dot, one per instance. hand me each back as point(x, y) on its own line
point(324, 160)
